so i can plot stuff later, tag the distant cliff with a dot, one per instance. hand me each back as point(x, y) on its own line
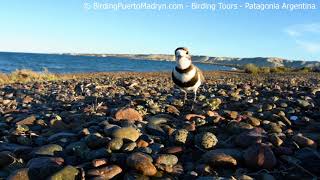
point(226, 61)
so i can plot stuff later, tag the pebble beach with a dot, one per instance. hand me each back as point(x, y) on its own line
point(136, 126)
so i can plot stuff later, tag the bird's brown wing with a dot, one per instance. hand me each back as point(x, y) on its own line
point(201, 74)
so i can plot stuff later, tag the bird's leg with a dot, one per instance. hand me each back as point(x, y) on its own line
point(195, 96)
point(185, 96)
point(194, 99)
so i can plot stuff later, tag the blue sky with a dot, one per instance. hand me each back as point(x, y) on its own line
point(61, 26)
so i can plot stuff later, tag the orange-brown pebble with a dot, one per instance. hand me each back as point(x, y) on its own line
point(190, 117)
point(128, 114)
point(142, 143)
point(174, 150)
point(99, 162)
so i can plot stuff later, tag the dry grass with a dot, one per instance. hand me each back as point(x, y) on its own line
point(26, 75)
point(4, 78)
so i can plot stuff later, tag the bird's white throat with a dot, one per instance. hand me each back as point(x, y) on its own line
point(183, 62)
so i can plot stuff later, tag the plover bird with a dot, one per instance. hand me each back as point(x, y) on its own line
point(185, 75)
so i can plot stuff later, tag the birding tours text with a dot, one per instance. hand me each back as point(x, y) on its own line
point(203, 6)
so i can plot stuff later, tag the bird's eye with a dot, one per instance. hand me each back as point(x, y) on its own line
point(187, 52)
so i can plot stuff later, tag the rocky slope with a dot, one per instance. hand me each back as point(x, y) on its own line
point(227, 61)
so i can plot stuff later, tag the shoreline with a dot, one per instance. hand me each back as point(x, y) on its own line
point(25, 76)
point(31, 76)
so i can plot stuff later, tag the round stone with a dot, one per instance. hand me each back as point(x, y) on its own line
point(206, 140)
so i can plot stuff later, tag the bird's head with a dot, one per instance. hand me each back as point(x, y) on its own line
point(183, 57)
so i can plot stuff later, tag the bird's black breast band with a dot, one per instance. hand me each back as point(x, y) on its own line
point(184, 70)
point(187, 84)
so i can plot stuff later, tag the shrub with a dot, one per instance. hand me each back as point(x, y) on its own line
point(280, 69)
point(265, 70)
point(251, 68)
point(306, 69)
